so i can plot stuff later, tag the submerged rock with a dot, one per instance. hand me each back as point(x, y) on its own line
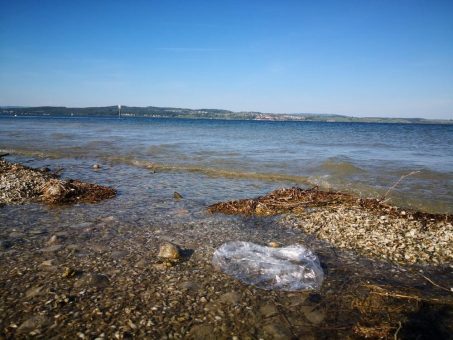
point(35, 322)
point(52, 249)
point(177, 195)
point(48, 265)
point(169, 251)
point(94, 280)
point(34, 291)
point(55, 239)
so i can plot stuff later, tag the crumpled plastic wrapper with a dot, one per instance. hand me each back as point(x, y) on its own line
point(291, 268)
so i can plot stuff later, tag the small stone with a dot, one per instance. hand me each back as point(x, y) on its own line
point(38, 231)
point(190, 285)
point(313, 314)
point(177, 195)
point(203, 331)
point(35, 322)
point(92, 280)
point(277, 331)
point(160, 266)
point(230, 298)
point(73, 248)
point(274, 244)
point(169, 251)
point(140, 264)
point(53, 240)
point(34, 291)
point(53, 248)
point(118, 254)
point(268, 310)
point(16, 234)
point(68, 272)
point(48, 265)
point(182, 212)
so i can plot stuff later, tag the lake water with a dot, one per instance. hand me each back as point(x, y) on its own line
point(211, 160)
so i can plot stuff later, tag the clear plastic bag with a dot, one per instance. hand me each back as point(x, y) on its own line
point(289, 268)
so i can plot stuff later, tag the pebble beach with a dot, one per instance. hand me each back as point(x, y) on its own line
point(106, 278)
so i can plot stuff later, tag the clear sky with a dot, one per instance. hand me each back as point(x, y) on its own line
point(361, 58)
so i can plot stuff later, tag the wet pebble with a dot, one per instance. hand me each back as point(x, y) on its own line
point(52, 249)
point(34, 291)
point(230, 298)
point(169, 250)
point(95, 280)
point(33, 323)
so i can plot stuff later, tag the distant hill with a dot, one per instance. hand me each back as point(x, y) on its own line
point(173, 112)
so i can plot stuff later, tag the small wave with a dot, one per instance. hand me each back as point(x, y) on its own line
point(408, 193)
point(34, 153)
point(160, 149)
point(341, 168)
point(62, 136)
point(212, 172)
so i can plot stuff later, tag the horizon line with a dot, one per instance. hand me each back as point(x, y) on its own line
point(242, 111)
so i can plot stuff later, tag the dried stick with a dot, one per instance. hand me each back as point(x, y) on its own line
point(396, 183)
point(395, 336)
point(435, 284)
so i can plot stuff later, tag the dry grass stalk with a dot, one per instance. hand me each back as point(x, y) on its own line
point(384, 197)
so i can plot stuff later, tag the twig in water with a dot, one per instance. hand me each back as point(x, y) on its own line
point(397, 331)
point(396, 183)
point(435, 284)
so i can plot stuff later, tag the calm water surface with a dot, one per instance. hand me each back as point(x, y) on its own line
point(247, 158)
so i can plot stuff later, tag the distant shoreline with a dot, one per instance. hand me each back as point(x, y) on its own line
point(212, 114)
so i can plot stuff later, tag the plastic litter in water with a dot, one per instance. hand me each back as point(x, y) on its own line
point(291, 268)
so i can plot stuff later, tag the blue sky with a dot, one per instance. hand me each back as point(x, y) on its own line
point(361, 58)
